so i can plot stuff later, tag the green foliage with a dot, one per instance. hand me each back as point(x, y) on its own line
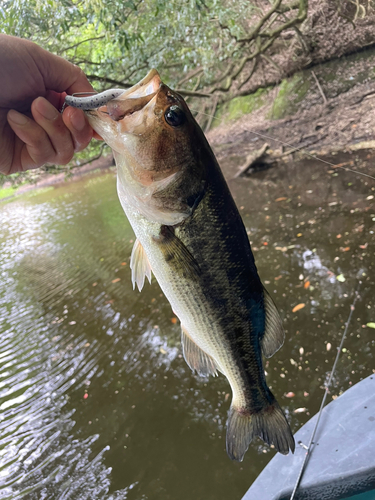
point(121, 39)
point(116, 42)
point(7, 192)
point(235, 108)
point(291, 92)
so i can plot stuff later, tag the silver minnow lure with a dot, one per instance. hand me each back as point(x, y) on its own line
point(92, 101)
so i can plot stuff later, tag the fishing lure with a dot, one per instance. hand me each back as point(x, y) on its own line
point(91, 100)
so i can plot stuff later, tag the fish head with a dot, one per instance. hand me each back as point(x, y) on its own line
point(155, 141)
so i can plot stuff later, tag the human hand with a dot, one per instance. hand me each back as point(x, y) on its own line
point(33, 86)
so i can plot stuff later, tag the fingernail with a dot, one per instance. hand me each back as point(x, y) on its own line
point(78, 120)
point(46, 109)
point(16, 117)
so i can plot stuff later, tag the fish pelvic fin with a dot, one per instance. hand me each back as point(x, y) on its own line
point(274, 335)
point(197, 359)
point(139, 265)
point(269, 424)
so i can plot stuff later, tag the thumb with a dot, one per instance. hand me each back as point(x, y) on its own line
point(59, 74)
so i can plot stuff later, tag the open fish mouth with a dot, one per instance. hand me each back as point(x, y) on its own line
point(119, 102)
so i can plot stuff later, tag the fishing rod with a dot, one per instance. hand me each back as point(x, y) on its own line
point(309, 448)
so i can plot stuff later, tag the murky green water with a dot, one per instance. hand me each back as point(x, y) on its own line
point(96, 401)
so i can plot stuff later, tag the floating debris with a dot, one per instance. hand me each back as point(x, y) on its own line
point(300, 410)
point(298, 307)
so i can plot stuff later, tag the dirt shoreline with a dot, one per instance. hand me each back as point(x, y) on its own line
point(340, 131)
point(47, 179)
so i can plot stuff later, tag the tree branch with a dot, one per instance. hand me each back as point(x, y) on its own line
point(250, 74)
point(191, 74)
point(108, 80)
point(192, 93)
point(260, 25)
point(79, 43)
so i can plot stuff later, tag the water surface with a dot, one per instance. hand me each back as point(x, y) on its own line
point(96, 401)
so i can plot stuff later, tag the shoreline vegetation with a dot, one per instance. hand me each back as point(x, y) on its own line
point(310, 92)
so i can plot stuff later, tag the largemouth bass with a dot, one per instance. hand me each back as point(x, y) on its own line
point(191, 236)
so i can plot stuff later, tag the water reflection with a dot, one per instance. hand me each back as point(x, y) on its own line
point(96, 401)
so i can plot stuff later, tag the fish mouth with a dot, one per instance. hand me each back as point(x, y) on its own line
point(131, 100)
point(148, 85)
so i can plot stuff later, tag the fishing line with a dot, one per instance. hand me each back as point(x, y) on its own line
point(339, 349)
point(296, 149)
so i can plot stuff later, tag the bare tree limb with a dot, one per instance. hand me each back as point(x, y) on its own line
point(260, 24)
point(105, 79)
point(250, 74)
point(192, 93)
point(211, 116)
point(80, 43)
point(319, 87)
point(270, 61)
point(286, 8)
point(191, 74)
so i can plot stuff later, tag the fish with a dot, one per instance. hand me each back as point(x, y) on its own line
point(191, 237)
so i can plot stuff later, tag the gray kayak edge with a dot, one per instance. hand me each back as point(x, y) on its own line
point(342, 462)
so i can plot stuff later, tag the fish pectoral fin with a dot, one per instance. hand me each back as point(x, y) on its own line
point(197, 359)
point(176, 253)
point(274, 335)
point(139, 265)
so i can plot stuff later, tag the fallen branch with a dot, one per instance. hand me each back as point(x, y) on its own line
point(319, 87)
point(251, 159)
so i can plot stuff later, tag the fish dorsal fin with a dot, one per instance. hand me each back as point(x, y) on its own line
point(176, 253)
point(274, 335)
point(139, 265)
point(197, 359)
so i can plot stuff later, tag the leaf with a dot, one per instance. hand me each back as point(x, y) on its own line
point(371, 324)
point(300, 410)
point(341, 278)
point(298, 307)
point(307, 284)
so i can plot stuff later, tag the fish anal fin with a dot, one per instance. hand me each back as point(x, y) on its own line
point(197, 359)
point(139, 265)
point(269, 424)
point(176, 253)
point(274, 335)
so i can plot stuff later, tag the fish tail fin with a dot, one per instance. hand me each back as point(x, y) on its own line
point(269, 424)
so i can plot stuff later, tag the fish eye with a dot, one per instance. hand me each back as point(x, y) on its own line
point(174, 116)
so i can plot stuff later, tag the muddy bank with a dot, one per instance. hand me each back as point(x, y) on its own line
point(42, 179)
point(328, 111)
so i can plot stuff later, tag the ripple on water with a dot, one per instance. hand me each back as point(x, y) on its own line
point(96, 401)
point(43, 362)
